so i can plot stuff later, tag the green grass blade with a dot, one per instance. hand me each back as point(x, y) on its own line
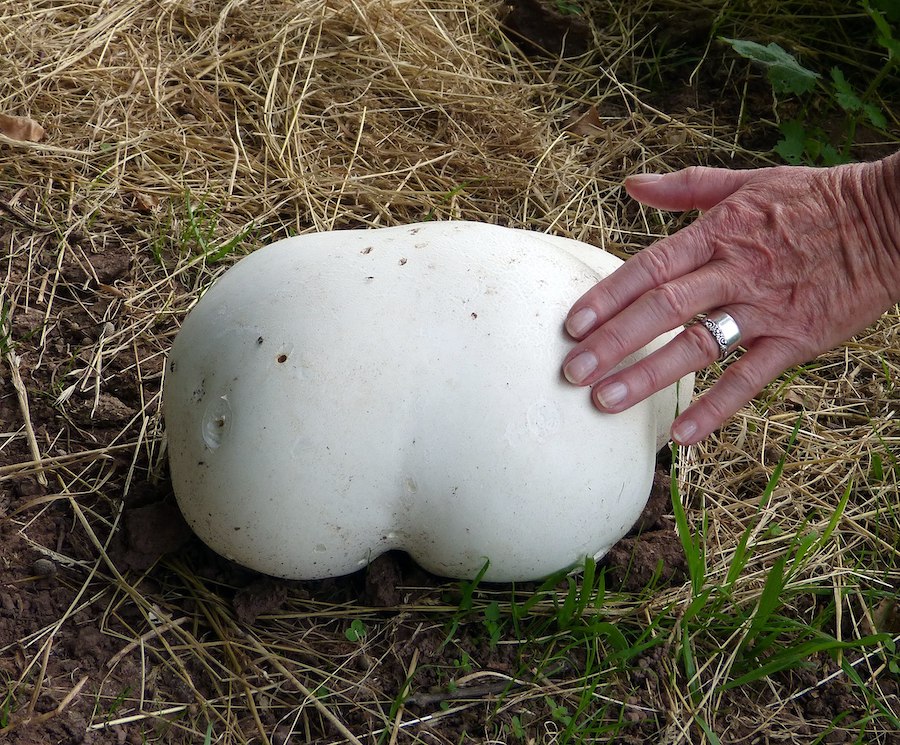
point(851, 673)
point(794, 657)
point(693, 551)
point(689, 661)
point(587, 587)
point(741, 554)
point(769, 600)
point(836, 515)
point(707, 730)
point(566, 613)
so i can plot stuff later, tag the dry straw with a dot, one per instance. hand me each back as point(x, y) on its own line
point(180, 134)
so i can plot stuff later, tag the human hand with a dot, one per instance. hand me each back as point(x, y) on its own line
point(801, 258)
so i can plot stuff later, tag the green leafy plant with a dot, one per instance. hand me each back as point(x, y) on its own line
point(463, 663)
point(516, 728)
point(802, 141)
point(356, 631)
point(493, 622)
point(785, 74)
point(560, 713)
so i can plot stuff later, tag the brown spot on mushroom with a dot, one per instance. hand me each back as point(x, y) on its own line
point(367, 250)
point(282, 358)
point(402, 262)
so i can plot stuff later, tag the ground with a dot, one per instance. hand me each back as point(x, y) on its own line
point(118, 626)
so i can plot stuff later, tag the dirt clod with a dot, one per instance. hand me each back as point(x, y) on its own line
point(108, 410)
point(44, 568)
point(153, 531)
point(261, 596)
point(541, 29)
point(383, 577)
point(652, 550)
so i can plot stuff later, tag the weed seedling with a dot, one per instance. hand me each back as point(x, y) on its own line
point(463, 663)
point(194, 233)
point(516, 729)
point(356, 631)
point(493, 623)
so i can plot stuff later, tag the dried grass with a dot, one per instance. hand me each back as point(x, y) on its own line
point(174, 129)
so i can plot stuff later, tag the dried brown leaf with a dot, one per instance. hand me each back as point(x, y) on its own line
point(587, 124)
point(887, 617)
point(145, 202)
point(21, 128)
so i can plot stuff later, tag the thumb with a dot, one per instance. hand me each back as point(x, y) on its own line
point(693, 188)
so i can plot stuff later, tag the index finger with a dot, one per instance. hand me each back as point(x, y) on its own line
point(662, 262)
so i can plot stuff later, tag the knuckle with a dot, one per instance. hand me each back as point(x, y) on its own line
point(671, 299)
point(691, 174)
point(614, 344)
point(657, 265)
point(743, 379)
point(734, 216)
point(738, 385)
point(649, 379)
point(700, 345)
point(715, 407)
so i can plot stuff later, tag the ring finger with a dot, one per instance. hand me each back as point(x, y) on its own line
point(693, 349)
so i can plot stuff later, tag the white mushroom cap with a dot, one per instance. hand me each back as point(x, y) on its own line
point(337, 395)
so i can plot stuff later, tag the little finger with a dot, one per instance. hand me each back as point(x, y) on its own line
point(741, 381)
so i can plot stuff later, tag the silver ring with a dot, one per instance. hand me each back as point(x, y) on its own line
point(724, 330)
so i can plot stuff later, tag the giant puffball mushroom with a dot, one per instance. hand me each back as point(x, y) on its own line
point(337, 395)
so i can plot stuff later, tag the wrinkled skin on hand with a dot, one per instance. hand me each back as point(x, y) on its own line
point(801, 258)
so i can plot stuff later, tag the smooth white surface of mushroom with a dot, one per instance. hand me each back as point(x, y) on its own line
point(336, 395)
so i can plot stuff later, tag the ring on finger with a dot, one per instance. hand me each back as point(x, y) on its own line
point(724, 330)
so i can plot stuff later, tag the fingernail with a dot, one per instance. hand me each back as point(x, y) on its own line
point(610, 395)
point(581, 322)
point(644, 178)
point(580, 367)
point(683, 431)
